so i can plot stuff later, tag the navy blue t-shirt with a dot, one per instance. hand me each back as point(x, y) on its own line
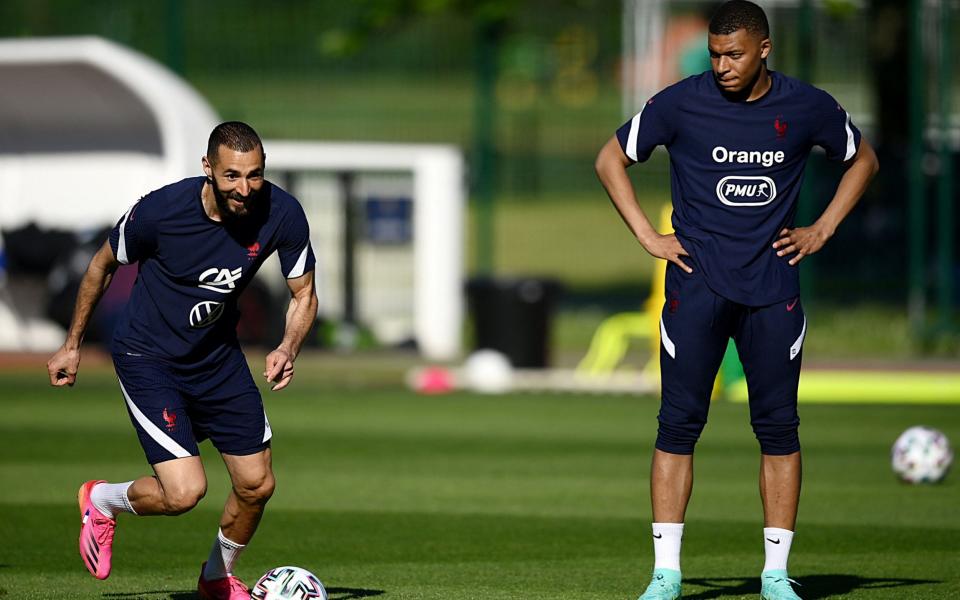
point(735, 174)
point(192, 269)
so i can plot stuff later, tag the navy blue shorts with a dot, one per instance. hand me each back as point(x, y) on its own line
point(174, 408)
point(695, 327)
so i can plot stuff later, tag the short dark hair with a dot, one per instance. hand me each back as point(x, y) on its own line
point(739, 14)
point(235, 135)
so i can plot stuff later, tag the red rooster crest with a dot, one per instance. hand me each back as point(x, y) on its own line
point(781, 126)
point(171, 419)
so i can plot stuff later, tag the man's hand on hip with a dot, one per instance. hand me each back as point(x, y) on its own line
point(668, 247)
point(801, 241)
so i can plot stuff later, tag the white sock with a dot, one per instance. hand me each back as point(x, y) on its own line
point(111, 498)
point(776, 546)
point(222, 556)
point(666, 545)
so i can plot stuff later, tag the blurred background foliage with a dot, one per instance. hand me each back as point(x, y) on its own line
point(372, 70)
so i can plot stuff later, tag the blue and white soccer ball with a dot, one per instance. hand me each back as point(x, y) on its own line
point(921, 455)
point(288, 583)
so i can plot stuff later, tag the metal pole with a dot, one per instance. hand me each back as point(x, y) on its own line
point(916, 211)
point(628, 58)
point(349, 258)
point(945, 224)
point(484, 149)
point(806, 209)
point(805, 41)
point(174, 29)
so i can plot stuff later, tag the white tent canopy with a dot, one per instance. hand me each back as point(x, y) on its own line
point(87, 127)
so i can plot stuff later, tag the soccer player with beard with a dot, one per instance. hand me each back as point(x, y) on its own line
point(738, 138)
point(182, 374)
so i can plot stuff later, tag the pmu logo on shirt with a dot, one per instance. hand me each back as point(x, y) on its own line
point(220, 280)
point(206, 313)
point(746, 190)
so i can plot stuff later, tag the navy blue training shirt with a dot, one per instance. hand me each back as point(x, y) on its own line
point(183, 307)
point(735, 174)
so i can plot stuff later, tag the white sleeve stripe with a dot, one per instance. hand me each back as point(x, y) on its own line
point(121, 241)
point(631, 149)
point(298, 268)
point(152, 430)
point(851, 147)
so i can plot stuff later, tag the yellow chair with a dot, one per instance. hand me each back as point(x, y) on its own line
point(612, 339)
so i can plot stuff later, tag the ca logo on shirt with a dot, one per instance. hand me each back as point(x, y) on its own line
point(220, 280)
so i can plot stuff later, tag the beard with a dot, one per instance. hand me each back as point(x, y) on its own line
point(247, 203)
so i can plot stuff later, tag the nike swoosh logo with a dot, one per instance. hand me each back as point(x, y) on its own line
point(773, 541)
point(793, 304)
point(658, 536)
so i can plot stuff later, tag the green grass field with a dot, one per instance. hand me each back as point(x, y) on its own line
point(387, 494)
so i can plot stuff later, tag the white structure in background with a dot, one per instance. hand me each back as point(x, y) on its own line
point(431, 304)
point(88, 126)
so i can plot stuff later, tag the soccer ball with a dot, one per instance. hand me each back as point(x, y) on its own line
point(921, 455)
point(488, 372)
point(288, 583)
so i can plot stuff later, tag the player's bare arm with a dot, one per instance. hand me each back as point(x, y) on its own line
point(62, 366)
point(300, 316)
point(611, 166)
point(804, 241)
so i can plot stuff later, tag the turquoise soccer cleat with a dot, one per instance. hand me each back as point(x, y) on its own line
point(664, 586)
point(775, 585)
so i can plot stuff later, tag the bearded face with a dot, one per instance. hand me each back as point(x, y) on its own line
point(232, 203)
point(236, 179)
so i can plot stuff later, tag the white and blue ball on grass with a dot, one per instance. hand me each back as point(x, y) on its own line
point(288, 583)
point(921, 455)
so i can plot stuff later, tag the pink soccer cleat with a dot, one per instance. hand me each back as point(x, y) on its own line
point(228, 588)
point(96, 533)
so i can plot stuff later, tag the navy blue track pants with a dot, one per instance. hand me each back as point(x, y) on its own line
point(695, 327)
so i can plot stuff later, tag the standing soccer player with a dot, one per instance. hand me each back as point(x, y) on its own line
point(738, 138)
point(198, 242)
